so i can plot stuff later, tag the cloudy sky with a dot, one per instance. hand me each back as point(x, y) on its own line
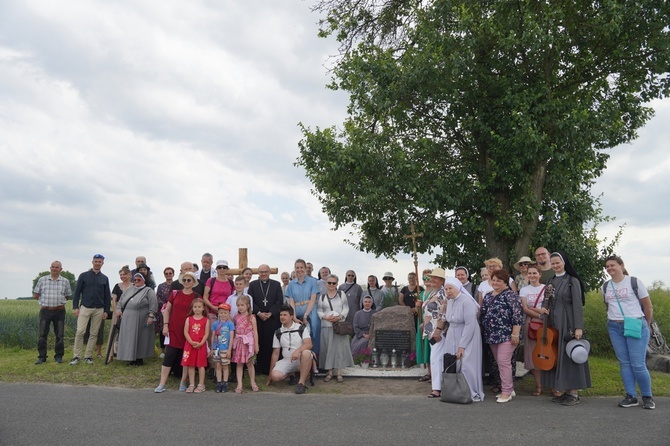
point(168, 129)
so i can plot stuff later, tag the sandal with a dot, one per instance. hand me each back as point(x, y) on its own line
point(538, 391)
point(327, 378)
point(340, 379)
point(254, 388)
point(435, 394)
point(199, 389)
point(425, 378)
point(556, 393)
point(238, 390)
point(190, 389)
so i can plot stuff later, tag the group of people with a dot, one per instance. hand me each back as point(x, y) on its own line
point(483, 330)
point(278, 329)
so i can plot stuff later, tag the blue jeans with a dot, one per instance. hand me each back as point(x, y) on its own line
point(631, 354)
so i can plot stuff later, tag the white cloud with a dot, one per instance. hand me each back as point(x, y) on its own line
point(169, 129)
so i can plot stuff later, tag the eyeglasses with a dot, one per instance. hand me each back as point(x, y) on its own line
point(426, 278)
point(263, 272)
point(222, 267)
point(188, 280)
point(524, 264)
point(138, 280)
point(331, 283)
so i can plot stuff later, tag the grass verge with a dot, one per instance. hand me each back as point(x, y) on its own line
point(16, 365)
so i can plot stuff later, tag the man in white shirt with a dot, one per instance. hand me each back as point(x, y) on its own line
point(295, 343)
point(52, 292)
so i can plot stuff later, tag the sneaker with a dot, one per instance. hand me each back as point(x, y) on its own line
point(40, 361)
point(88, 360)
point(300, 389)
point(628, 401)
point(559, 399)
point(224, 387)
point(218, 387)
point(182, 386)
point(570, 400)
point(648, 403)
point(59, 360)
point(160, 389)
point(74, 361)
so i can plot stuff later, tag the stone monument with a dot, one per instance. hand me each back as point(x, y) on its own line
point(393, 328)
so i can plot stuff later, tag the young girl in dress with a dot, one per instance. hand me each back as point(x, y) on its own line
point(245, 344)
point(196, 331)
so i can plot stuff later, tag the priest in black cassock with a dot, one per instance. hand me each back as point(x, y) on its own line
point(267, 299)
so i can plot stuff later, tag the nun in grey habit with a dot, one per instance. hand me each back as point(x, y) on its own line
point(137, 309)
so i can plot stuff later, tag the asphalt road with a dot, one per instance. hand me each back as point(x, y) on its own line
point(37, 414)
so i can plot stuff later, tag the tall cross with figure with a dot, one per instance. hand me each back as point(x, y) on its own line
point(413, 235)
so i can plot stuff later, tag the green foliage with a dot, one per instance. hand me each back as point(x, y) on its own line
point(595, 320)
point(67, 274)
point(390, 299)
point(483, 123)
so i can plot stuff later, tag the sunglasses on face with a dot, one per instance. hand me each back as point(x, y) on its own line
point(331, 283)
point(221, 267)
point(426, 278)
point(524, 264)
point(188, 280)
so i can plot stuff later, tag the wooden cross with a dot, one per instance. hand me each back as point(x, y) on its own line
point(243, 262)
point(414, 236)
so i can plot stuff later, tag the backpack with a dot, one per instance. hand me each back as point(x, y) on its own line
point(212, 281)
point(300, 331)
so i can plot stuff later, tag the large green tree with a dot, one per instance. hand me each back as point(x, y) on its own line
point(485, 123)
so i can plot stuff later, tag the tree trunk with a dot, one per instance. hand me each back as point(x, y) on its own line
point(529, 222)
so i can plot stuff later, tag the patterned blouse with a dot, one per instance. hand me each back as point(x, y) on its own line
point(432, 313)
point(498, 314)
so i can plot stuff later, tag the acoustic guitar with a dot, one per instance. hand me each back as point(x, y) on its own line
point(545, 353)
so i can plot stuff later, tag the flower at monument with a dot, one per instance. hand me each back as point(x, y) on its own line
point(363, 356)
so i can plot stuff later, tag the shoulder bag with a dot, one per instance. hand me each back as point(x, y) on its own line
point(632, 326)
point(340, 327)
point(455, 388)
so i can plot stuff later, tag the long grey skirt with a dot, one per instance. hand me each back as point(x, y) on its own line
point(335, 350)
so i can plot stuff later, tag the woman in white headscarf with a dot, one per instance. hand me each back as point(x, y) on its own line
point(463, 337)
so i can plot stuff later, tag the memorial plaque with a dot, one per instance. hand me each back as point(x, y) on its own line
point(400, 340)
